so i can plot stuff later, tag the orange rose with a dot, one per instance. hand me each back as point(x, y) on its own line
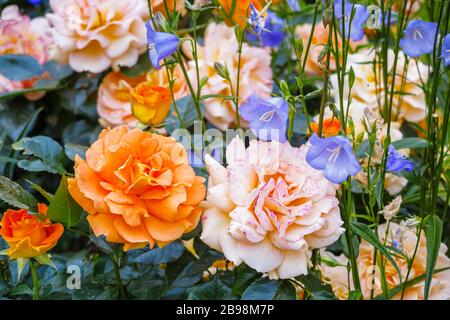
point(138, 188)
point(27, 235)
point(150, 104)
point(238, 14)
point(331, 127)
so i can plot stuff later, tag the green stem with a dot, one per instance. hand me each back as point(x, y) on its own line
point(35, 280)
point(348, 235)
point(192, 91)
point(410, 263)
point(122, 291)
point(326, 77)
point(238, 77)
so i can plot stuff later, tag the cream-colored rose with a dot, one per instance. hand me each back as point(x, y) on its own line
point(220, 45)
point(95, 35)
point(403, 239)
point(368, 89)
point(269, 208)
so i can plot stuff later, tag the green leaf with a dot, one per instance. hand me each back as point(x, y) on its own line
point(45, 260)
point(58, 71)
point(14, 195)
point(21, 264)
point(261, 289)
point(286, 291)
point(433, 234)
point(63, 208)
point(215, 289)
point(411, 143)
point(49, 154)
point(71, 150)
point(188, 114)
point(21, 289)
point(156, 256)
point(313, 284)
point(244, 276)
point(367, 234)
point(19, 67)
point(47, 195)
point(355, 295)
point(18, 121)
point(150, 286)
point(351, 78)
point(185, 272)
point(266, 289)
point(91, 290)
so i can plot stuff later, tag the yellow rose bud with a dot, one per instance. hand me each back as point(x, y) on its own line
point(150, 104)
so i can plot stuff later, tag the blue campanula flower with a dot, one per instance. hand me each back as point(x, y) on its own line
point(256, 20)
point(160, 45)
point(272, 34)
point(397, 162)
point(419, 38)
point(446, 50)
point(267, 117)
point(358, 21)
point(334, 157)
point(35, 2)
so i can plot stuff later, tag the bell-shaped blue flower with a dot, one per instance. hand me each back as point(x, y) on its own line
point(358, 21)
point(334, 157)
point(419, 38)
point(397, 162)
point(267, 117)
point(272, 34)
point(160, 45)
point(445, 55)
point(256, 20)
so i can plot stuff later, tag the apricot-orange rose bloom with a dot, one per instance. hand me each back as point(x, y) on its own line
point(27, 235)
point(138, 188)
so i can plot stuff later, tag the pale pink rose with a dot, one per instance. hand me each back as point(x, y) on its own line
point(405, 241)
point(369, 91)
point(269, 208)
point(113, 103)
point(97, 34)
point(21, 35)
point(220, 45)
